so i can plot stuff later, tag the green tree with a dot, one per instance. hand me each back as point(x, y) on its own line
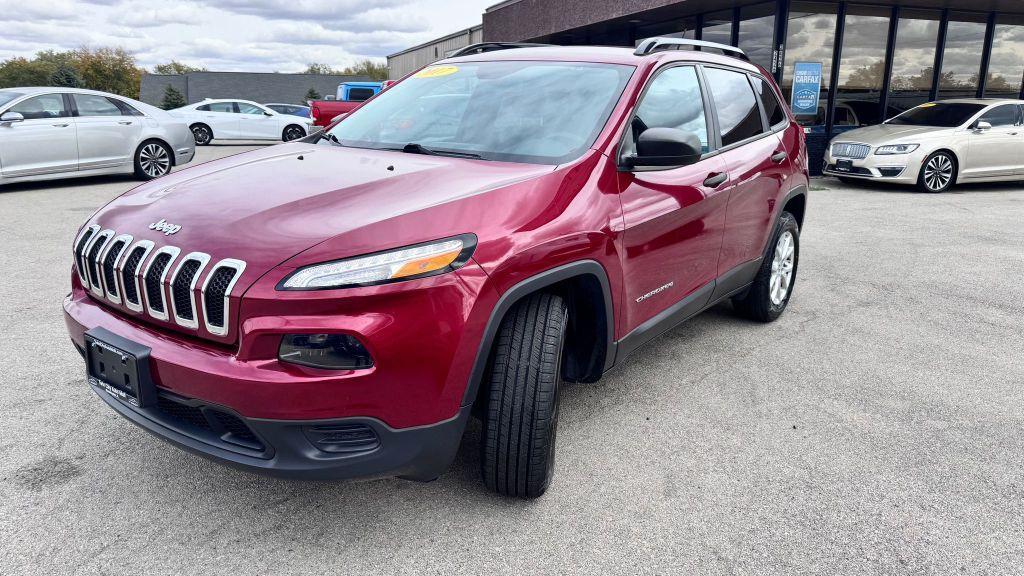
point(175, 67)
point(311, 94)
point(109, 70)
point(66, 76)
point(23, 72)
point(375, 70)
point(319, 68)
point(172, 99)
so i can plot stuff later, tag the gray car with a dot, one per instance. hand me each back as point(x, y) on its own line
point(49, 133)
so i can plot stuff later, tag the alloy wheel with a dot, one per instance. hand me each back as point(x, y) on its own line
point(293, 133)
point(782, 268)
point(154, 160)
point(201, 135)
point(938, 172)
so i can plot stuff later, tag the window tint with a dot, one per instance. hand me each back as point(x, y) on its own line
point(738, 115)
point(249, 109)
point(1006, 115)
point(941, 114)
point(228, 107)
point(673, 100)
point(360, 94)
point(772, 108)
point(41, 107)
point(93, 105)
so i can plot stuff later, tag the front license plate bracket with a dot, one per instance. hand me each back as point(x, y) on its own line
point(120, 367)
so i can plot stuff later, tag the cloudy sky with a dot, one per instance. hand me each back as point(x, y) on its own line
point(252, 35)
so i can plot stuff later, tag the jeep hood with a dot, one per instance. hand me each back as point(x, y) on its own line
point(266, 206)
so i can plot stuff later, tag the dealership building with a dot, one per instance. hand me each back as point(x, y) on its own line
point(874, 59)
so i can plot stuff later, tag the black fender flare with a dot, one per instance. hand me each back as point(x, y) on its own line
point(529, 286)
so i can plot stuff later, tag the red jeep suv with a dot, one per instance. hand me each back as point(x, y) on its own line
point(491, 227)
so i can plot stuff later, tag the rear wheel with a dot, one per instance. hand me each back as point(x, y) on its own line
point(523, 397)
point(769, 294)
point(202, 134)
point(938, 173)
point(152, 160)
point(293, 133)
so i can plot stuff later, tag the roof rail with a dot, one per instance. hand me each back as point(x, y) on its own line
point(482, 47)
point(651, 45)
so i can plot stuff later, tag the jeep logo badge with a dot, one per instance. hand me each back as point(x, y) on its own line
point(165, 227)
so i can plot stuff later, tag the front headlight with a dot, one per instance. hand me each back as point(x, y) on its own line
point(408, 263)
point(896, 149)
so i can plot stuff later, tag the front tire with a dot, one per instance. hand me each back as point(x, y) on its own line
point(523, 397)
point(153, 159)
point(772, 288)
point(938, 173)
point(292, 132)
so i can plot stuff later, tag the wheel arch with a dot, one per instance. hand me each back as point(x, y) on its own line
point(590, 347)
point(204, 125)
point(957, 162)
point(795, 203)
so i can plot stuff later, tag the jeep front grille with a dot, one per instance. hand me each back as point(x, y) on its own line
point(141, 276)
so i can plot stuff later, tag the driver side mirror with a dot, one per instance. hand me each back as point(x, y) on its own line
point(665, 148)
point(982, 126)
point(12, 117)
point(265, 113)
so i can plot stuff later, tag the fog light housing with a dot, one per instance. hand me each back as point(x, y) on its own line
point(325, 351)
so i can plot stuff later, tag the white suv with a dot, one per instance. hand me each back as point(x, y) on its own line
point(240, 120)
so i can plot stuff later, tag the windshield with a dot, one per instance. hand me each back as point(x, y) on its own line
point(536, 112)
point(6, 96)
point(941, 114)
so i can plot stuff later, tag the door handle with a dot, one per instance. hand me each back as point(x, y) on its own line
point(716, 180)
point(62, 125)
point(779, 157)
point(125, 123)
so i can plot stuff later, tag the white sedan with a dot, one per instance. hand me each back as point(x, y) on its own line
point(48, 133)
point(936, 146)
point(240, 120)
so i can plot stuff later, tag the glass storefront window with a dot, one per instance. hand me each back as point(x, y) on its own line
point(757, 33)
point(913, 66)
point(718, 27)
point(862, 66)
point(678, 28)
point(961, 60)
point(1006, 69)
point(810, 38)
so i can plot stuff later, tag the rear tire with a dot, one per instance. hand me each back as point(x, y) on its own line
point(769, 295)
point(938, 173)
point(153, 159)
point(523, 386)
point(202, 134)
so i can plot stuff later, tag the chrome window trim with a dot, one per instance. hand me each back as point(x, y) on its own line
point(147, 246)
point(238, 265)
point(80, 256)
point(203, 260)
point(174, 252)
point(106, 235)
point(115, 298)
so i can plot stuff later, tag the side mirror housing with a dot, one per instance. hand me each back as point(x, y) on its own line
point(12, 117)
point(982, 126)
point(665, 148)
point(265, 113)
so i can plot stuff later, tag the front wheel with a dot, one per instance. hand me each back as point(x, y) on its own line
point(152, 160)
point(773, 286)
point(523, 396)
point(293, 133)
point(938, 173)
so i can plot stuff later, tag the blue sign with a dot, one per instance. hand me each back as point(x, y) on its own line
point(806, 88)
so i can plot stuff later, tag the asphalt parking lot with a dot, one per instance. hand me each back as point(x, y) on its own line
point(876, 428)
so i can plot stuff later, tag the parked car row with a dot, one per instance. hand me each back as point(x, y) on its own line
point(226, 119)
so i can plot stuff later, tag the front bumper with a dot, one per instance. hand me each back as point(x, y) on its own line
point(898, 168)
point(359, 447)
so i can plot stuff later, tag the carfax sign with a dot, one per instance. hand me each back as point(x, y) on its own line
point(806, 88)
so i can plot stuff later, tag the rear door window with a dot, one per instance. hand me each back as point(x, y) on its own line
point(739, 118)
point(773, 109)
point(244, 108)
point(94, 105)
point(673, 100)
point(228, 107)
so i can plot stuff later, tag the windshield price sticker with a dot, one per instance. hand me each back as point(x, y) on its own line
point(436, 72)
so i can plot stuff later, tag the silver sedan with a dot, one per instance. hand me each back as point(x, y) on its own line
point(936, 145)
point(49, 133)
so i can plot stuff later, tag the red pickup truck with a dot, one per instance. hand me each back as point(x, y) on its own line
point(350, 96)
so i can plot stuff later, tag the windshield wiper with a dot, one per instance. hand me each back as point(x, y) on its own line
point(414, 148)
